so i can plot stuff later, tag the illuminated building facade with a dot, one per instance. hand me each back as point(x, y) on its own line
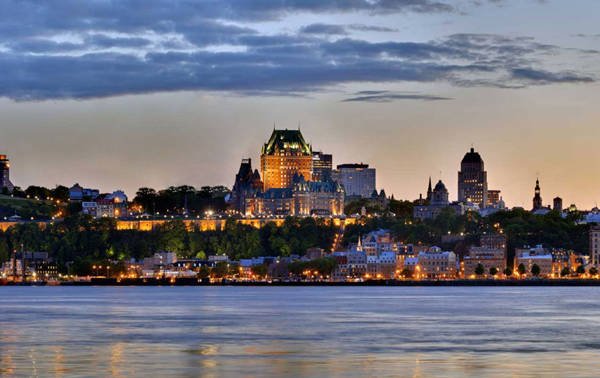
point(5, 174)
point(493, 198)
point(322, 166)
point(595, 245)
point(487, 257)
point(472, 180)
point(283, 156)
point(357, 179)
point(303, 198)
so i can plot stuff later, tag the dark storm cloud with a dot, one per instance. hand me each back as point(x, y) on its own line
point(74, 49)
point(388, 96)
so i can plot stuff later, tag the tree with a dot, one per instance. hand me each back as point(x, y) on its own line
point(580, 269)
point(407, 273)
point(493, 271)
point(521, 269)
point(260, 270)
point(220, 270)
point(479, 270)
point(593, 271)
point(565, 272)
point(507, 272)
point(203, 272)
point(535, 270)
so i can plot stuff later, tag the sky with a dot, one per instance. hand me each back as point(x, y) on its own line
point(126, 94)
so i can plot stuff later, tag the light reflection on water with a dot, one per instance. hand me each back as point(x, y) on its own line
point(311, 331)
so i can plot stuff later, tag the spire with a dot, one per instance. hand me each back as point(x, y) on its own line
point(429, 190)
point(359, 245)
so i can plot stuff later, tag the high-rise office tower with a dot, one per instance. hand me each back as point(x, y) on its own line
point(321, 165)
point(472, 180)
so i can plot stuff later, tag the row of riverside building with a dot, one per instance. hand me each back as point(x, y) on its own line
point(377, 256)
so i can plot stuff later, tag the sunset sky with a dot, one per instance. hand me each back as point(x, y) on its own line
point(124, 94)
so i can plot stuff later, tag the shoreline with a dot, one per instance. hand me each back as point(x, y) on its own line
point(406, 283)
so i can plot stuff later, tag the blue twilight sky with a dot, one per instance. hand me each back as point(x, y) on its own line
point(123, 94)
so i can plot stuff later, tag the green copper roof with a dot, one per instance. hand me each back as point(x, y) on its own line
point(286, 140)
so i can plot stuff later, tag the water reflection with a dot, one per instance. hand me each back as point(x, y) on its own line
point(364, 331)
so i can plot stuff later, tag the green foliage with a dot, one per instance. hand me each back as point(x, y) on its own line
point(565, 272)
point(174, 199)
point(26, 208)
point(507, 272)
point(521, 269)
point(406, 273)
point(479, 270)
point(535, 270)
point(493, 271)
point(259, 270)
point(593, 271)
point(580, 269)
point(323, 266)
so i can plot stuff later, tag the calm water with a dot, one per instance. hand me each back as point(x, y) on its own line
point(312, 331)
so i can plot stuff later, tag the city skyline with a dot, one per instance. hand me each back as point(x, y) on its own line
point(423, 96)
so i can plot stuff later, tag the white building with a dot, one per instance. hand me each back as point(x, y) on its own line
point(357, 179)
point(436, 263)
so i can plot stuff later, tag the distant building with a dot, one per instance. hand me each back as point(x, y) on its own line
point(493, 198)
point(493, 241)
point(303, 198)
point(78, 193)
point(534, 256)
point(113, 205)
point(472, 180)
point(357, 179)
point(558, 204)
point(5, 174)
point(37, 266)
point(538, 207)
point(283, 156)
point(322, 165)
point(438, 202)
point(247, 183)
point(487, 257)
point(436, 263)
point(594, 245)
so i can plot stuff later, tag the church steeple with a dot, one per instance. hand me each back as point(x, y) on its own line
point(429, 190)
point(537, 198)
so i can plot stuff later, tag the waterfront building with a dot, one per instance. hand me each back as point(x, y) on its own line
point(322, 165)
point(5, 174)
point(436, 263)
point(351, 264)
point(357, 179)
point(285, 155)
point(247, 183)
point(31, 265)
point(594, 245)
point(472, 180)
point(534, 256)
point(487, 257)
point(381, 266)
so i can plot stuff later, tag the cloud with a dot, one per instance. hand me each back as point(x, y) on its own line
point(530, 75)
point(62, 49)
point(329, 29)
point(387, 96)
point(326, 29)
